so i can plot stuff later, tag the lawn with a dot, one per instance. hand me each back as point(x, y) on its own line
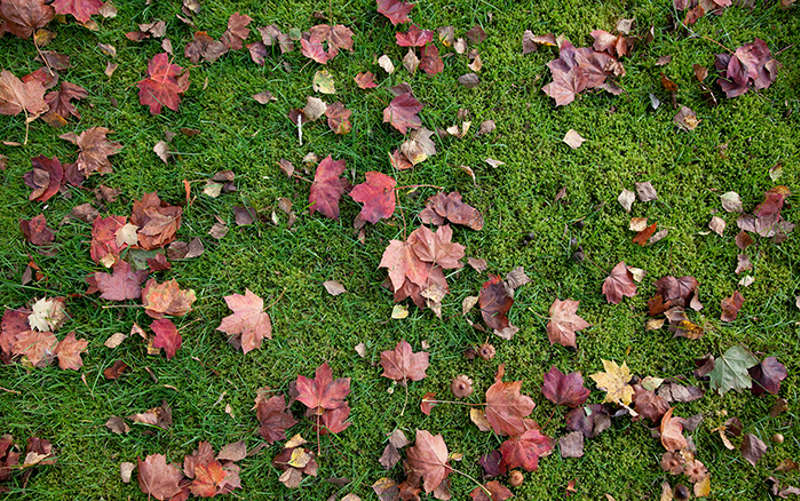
point(733, 149)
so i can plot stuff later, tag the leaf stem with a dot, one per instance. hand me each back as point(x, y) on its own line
point(484, 489)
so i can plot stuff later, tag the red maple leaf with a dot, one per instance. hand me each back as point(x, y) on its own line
point(395, 10)
point(158, 221)
point(23, 17)
point(338, 118)
point(619, 283)
point(237, 31)
point(122, 284)
point(402, 112)
point(402, 364)
point(45, 179)
point(506, 407)
point(314, 51)
point(166, 298)
point(82, 10)
point(524, 450)
point(36, 230)
point(564, 389)
point(69, 352)
point(164, 84)
point(104, 239)
point(365, 80)
point(167, 336)
point(334, 420)
point(414, 37)
point(60, 102)
point(378, 196)
point(430, 62)
point(327, 188)
point(322, 392)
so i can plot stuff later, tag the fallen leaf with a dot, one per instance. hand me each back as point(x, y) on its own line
point(69, 352)
point(730, 370)
point(671, 432)
point(274, 418)
point(164, 84)
point(122, 284)
point(157, 478)
point(767, 376)
point(564, 322)
point(506, 407)
point(402, 364)
point(327, 188)
point(402, 112)
point(564, 389)
point(428, 459)
point(573, 139)
point(752, 448)
point(525, 449)
point(248, 324)
point(571, 445)
point(377, 194)
point(166, 298)
point(614, 381)
point(167, 336)
point(619, 283)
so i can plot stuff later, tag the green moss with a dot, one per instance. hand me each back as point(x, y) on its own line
point(732, 149)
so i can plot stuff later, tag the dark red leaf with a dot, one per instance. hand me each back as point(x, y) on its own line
point(378, 196)
point(564, 389)
point(164, 84)
point(395, 10)
point(167, 336)
point(327, 188)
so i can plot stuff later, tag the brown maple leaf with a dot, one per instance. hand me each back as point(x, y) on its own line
point(437, 248)
point(335, 37)
point(95, 148)
point(564, 322)
point(17, 96)
point(402, 112)
point(69, 352)
point(157, 478)
point(730, 307)
point(576, 70)
point(365, 80)
point(506, 407)
point(23, 17)
point(60, 102)
point(248, 324)
point(402, 364)
point(648, 404)
point(204, 47)
point(14, 323)
point(678, 291)
point(403, 264)
point(273, 417)
point(495, 300)
point(104, 247)
point(619, 283)
point(122, 284)
point(38, 347)
point(428, 459)
point(322, 392)
point(158, 221)
point(327, 188)
point(237, 31)
point(166, 299)
point(440, 208)
point(338, 118)
point(497, 492)
point(430, 62)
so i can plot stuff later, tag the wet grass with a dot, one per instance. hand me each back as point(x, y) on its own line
point(734, 147)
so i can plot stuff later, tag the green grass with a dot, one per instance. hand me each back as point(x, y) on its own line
point(627, 142)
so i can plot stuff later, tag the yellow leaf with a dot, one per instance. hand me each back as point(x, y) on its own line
point(614, 381)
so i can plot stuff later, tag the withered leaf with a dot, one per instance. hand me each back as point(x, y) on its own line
point(564, 322)
point(327, 188)
point(377, 194)
point(506, 407)
point(619, 283)
point(94, 150)
point(166, 298)
point(402, 364)
point(564, 389)
point(248, 323)
point(441, 208)
point(428, 459)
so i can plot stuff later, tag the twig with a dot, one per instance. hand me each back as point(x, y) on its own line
point(405, 400)
point(414, 186)
point(300, 128)
point(279, 298)
point(15, 392)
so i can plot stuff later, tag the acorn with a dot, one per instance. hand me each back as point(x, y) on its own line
point(486, 351)
point(461, 386)
point(515, 478)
